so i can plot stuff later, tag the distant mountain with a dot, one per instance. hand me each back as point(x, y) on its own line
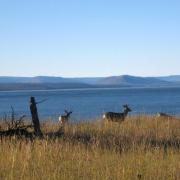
point(48, 82)
point(48, 79)
point(9, 79)
point(133, 81)
point(175, 78)
point(37, 79)
point(90, 80)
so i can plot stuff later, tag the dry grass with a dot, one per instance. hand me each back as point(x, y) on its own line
point(139, 148)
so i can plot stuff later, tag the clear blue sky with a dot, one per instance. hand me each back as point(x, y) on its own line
point(89, 37)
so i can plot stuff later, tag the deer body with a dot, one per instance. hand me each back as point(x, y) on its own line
point(164, 115)
point(117, 117)
point(65, 118)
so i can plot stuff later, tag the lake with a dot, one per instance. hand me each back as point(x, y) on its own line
point(89, 104)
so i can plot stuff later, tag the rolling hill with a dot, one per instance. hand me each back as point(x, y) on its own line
point(50, 82)
point(134, 81)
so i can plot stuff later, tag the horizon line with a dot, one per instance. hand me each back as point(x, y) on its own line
point(55, 76)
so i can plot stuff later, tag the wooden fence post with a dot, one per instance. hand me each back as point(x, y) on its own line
point(35, 118)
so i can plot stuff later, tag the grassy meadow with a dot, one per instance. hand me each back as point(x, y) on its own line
point(139, 148)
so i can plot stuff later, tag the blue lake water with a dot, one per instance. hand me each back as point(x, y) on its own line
point(88, 104)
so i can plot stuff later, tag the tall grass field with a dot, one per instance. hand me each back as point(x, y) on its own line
point(143, 147)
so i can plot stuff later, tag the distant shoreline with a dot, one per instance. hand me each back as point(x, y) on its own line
point(86, 89)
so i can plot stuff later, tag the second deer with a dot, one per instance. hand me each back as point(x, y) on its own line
point(117, 117)
point(63, 119)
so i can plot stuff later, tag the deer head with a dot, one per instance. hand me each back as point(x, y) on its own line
point(126, 108)
point(68, 113)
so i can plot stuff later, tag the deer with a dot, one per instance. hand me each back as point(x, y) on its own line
point(117, 117)
point(63, 119)
point(164, 115)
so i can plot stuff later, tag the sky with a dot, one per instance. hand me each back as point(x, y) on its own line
point(88, 38)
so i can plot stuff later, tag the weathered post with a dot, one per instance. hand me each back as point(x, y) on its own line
point(35, 118)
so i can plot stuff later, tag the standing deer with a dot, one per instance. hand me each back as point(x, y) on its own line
point(117, 117)
point(65, 118)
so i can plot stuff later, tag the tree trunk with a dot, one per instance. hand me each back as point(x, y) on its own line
point(35, 118)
